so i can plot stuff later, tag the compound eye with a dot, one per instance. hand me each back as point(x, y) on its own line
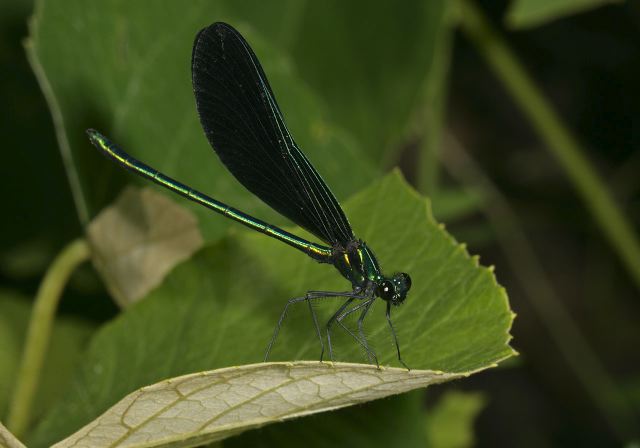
point(387, 290)
point(407, 280)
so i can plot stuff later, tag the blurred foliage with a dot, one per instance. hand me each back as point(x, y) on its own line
point(451, 204)
point(118, 85)
point(32, 229)
point(67, 342)
point(450, 422)
point(380, 424)
point(377, 424)
point(530, 13)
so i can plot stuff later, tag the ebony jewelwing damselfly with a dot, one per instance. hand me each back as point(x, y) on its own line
point(244, 125)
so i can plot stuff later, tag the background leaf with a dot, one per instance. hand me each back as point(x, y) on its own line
point(367, 81)
point(376, 424)
point(138, 240)
point(530, 13)
point(210, 314)
point(31, 163)
point(371, 84)
point(453, 204)
point(450, 422)
point(134, 84)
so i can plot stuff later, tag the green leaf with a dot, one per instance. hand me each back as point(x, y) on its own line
point(368, 68)
point(124, 68)
point(450, 422)
point(219, 309)
point(368, 61)
point(376, 424)
point(454, 204)
point(28, 258)
point(531, 13)
point(209, 406)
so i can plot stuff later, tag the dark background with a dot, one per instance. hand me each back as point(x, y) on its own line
point(588, 66)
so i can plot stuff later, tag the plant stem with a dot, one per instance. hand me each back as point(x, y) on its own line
point(39, 331)
point(432, 110)
point(554, 133)
point(68, 162)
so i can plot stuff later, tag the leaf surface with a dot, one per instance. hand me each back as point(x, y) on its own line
point(219, 309)
point(8, 440)
point(133, 83)
point(209, 406)
point(371, 66)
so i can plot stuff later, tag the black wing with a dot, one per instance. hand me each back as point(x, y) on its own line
point(244, 125)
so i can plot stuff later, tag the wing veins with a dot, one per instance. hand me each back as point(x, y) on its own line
point(245, 126)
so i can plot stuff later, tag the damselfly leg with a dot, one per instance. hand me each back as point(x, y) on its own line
point(308, 297)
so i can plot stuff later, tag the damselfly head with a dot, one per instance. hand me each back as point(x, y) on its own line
point(395, 289)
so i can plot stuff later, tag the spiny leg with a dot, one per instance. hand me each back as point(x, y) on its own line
point(361, 331)
point(395, 338)
point(277, 329)
point(371, 355)
point(311, 295)
point(362, 340)
point(330, 323)
point(316, 326)
point(353, 310)
point(322, 295)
